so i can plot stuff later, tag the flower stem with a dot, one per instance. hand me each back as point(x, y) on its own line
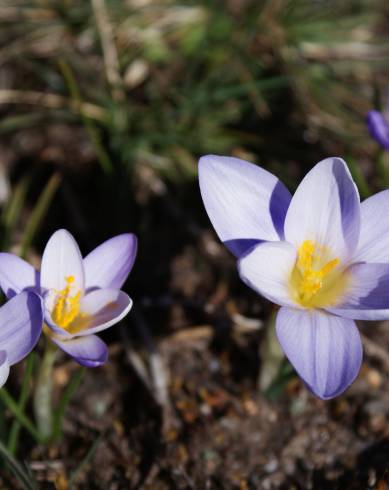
point(43, 408)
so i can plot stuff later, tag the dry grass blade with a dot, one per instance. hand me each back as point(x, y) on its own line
point(158, 370)
point(15, 14)
point(111, 60)
point(52, 101)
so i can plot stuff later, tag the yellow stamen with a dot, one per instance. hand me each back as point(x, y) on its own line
point(314, 281)
point(67, 307)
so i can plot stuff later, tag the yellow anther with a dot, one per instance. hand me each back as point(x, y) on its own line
point(305, 255)
point(67, 306)
point(329, 267)
point(315, 282)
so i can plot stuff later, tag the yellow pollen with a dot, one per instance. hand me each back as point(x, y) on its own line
point(315, 281)
point(67, 307)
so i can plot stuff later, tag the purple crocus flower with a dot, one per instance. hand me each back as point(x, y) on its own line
point(321, 255)
point(378, 126)
point(81, 296)
point(20, 328)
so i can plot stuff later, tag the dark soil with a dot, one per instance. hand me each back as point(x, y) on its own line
point(215, 429)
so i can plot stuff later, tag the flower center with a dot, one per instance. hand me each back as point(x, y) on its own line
point(66, 306)
point(316, 280)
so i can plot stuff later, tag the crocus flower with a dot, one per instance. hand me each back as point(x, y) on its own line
point(378, 126)
point(321, 255)
point(81, 296)
point(20, 329)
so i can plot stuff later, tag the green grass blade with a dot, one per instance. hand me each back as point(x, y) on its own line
point(382, 169)
point(64, 402)
point(13, 406)
point(285, 374)
point(102, 156)
point(39, 213)
point(24, 478)
point(16, 426)
point(13, 123)
point(359, 178)
point(12, 211)
point(88, 457)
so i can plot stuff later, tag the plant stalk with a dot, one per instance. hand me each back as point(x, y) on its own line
point(43, 404)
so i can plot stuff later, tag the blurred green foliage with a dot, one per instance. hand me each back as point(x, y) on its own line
point(243, 77)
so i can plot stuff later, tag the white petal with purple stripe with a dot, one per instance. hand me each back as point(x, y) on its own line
point(325, 209)
point(244, 202)
point(325, 350)
point(109, 264)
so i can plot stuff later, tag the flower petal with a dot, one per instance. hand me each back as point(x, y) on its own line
point(373, 243)
point(62, 259)
point(244, 202)
point(325, 209)
point(21, 321)
point(17, 275)
point(88, 351)
point(266, 268)
point(378, 128)
point(367, 297)
point(325, 350)
point(4, 367)
point(102, 309)
point(108, 265)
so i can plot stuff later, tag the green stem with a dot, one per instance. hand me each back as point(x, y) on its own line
point(271, 355)
point(43, 408)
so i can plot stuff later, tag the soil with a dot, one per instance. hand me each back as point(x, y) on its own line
point(197, 419)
